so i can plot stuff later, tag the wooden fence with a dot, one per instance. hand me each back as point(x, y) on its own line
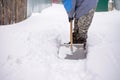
point(12, 11)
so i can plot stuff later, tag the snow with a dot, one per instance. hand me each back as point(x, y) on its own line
point(28, 50)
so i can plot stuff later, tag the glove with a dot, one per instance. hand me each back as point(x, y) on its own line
point(70, 19)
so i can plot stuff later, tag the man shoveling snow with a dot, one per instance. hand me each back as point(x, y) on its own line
point(82, 12)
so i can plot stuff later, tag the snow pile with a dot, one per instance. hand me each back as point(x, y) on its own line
point(28, 50)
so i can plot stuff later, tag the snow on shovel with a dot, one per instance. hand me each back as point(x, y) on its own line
point(72, 51)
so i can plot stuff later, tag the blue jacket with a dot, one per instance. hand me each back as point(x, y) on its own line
point(77, 8)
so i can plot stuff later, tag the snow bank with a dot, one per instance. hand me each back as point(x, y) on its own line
point(28, 50)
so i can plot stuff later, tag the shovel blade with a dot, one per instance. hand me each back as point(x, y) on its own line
point(78, 54)
point(75, 53)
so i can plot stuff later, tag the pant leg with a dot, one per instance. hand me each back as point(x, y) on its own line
point(75, 32)
point(83, 26)
point(76, 26)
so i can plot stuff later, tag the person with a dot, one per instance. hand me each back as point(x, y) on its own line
point(82, 12)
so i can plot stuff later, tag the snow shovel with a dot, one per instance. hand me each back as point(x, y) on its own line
point(73, 51)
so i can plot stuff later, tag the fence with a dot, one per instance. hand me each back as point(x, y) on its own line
point(102, 5)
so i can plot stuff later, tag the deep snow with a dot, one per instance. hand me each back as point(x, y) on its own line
point(28, 49)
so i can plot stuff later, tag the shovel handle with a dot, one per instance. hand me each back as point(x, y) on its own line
point(71, 37)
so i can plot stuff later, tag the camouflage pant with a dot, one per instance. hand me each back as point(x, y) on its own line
point(81, 27)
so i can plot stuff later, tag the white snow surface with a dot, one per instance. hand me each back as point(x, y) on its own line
point(28, 50)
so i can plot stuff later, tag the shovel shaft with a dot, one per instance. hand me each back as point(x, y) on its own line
point(71, 37)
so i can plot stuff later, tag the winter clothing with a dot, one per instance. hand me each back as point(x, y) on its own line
point(82, 11)
point(81, 27)
point(77, 8)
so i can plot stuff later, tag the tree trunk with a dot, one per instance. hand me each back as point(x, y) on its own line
point(12, 11)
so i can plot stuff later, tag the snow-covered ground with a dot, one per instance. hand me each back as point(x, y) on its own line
point(28, 49)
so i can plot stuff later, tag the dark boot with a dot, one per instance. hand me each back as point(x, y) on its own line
point(74, 37)
point(81, 40)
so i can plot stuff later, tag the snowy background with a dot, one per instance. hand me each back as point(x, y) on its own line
point(28, 50)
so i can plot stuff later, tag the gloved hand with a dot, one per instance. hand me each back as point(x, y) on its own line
point(70, 19)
